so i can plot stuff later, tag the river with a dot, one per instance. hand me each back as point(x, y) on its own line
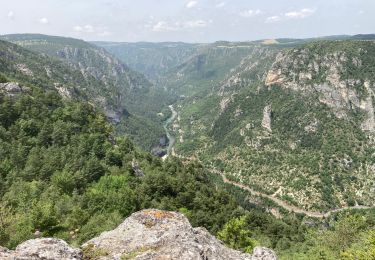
point(171, 138)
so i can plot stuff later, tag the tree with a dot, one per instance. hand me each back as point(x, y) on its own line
point(3, 79)
point(363, 250)
point(236, 235)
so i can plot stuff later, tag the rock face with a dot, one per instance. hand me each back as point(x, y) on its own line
point(148, 234)
point(12, 89)
point(42, 248)
point(137, 169)
point(304, 71)
point(266, 122)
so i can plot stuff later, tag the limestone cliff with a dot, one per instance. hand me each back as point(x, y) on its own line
point(148, 234)
point(266, 121)
point(338, 75)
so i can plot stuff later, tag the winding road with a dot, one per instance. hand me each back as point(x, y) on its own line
point(279, 202)
point(291, 208)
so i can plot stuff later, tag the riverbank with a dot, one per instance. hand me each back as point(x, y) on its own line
point(171, 138)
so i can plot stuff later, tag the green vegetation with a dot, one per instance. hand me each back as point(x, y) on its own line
point(3, 79)
point(62, 170)
point(237, 235)
point(66, 172)
point(313, 158)
point(124, 95)
point(350, 237)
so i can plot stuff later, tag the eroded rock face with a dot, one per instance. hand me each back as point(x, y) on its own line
point(323, 74)
point(148, 234)
point(266, 122)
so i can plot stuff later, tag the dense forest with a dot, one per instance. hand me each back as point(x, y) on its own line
point(63, 173)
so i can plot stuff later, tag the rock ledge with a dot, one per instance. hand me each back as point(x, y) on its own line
point(147, 234)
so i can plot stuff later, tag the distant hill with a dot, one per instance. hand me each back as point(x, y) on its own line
point(296, 122)
point(118, 89)
point(151, 59)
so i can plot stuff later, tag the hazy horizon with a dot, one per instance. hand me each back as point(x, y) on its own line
point(195, 21)
point(186, 42)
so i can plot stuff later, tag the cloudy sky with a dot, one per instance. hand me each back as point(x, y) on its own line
point(187, 20)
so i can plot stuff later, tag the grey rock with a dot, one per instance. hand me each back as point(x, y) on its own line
point(12, 88)
point(266, 122)
point(148, 234)
point(156, 234)
point(137, 169)
point(4, 253)
point(263, 253)
point(42, 248)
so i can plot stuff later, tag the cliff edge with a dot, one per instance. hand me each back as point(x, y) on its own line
point(147, 234)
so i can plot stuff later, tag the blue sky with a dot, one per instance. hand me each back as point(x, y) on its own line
point(187, 20)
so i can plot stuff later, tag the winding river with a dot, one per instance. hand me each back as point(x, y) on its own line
point(171, 138)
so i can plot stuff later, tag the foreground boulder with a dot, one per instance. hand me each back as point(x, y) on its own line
point(42, 248)
point(148, 234)
point(156, 234)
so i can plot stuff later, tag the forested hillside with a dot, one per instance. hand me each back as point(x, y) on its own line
point(293, 121)
point(126, 96)
point(64, 174)
point(296, 124)
point(63, 170)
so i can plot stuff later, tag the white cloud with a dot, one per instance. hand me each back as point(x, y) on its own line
point(196, 24)
point(86, 28)
point(250, 13)
point(273, 19)
point(220, 5)
point(191, 4)
point(163, 26)
point(100, 31)
point(43, 20)
point(11, 15)
point(303, 13)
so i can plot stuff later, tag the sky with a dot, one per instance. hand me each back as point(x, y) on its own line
point(187, 20)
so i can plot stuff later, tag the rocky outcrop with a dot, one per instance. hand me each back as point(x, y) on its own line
point(12, 89)
point(148, 234)
point(42, 248)
point(24, 70)
point(266, 122)
point(263, 253)
point(63, 91)
point(156, 234)
point(137, 171)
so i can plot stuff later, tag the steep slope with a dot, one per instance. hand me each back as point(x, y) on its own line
point(295, 124)
point(29, 67)
point(151, 59)
point(202, 71)
point(118, 81)
point(121, 91)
